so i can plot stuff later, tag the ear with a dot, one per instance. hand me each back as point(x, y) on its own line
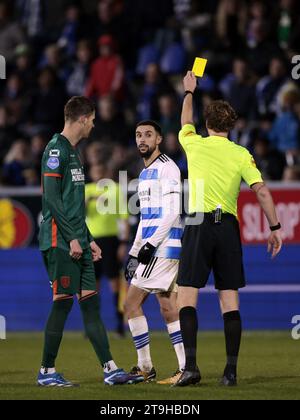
point(159, 139)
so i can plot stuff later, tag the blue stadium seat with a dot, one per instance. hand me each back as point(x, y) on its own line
point(146, 55)
point(173, 60)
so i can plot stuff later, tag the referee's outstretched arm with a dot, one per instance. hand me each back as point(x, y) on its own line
point(190, 84)
point(265, 199)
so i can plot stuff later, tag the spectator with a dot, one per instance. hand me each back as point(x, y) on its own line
point(169, 115)
point(107, 72)
point(37, 146)
point(79, 75)
point(268, 87)
point(262, 50)
point(285, 131)
point(74, 29)
point(45, 110)
point(8, 132)
point(291, 173)
point(231, 24)
point(241, 90)
point(11, 34)
point(14, 97)
point(24, 66)
point(15, 163)
point(173, 150)
point(270, 162)
point(154, 85)
point(257, 15)
point(53, 58)
point(110, 123)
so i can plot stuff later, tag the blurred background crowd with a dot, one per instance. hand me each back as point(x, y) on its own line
point(129, 56)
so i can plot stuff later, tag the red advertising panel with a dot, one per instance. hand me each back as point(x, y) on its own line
point(254, 225)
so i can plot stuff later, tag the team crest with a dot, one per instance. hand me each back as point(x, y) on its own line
point(53, 163)
point(65, 282)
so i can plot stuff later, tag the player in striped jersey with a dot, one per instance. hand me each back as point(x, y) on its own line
point(154, 257)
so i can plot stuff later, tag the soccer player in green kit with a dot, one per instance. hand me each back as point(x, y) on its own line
point(68, 248)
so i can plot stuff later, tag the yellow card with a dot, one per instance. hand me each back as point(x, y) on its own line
point(199, 66)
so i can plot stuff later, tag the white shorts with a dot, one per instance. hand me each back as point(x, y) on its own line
point(160, 275)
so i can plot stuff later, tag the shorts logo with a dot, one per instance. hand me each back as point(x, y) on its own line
point(53, 163)
point(65, 282)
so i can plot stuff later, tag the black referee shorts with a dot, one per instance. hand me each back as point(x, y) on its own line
point(209, 246)
point(109, 266)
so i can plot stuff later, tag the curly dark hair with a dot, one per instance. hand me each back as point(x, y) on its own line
point(220, 116)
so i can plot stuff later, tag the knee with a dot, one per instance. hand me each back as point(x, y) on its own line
point(168, 313)
point(131, 310)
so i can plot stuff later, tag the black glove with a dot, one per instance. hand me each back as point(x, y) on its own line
point(146, 253)
point(131, 266)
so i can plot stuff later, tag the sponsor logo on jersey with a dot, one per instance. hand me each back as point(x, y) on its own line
point(77, 175)
point(53, 163)
point(54, 153)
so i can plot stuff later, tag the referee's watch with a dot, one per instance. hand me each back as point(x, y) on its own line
point(274, 228)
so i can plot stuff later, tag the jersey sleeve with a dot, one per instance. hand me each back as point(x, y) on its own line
point(55, 161)
point(250, 174)
point(171, 203)
point(188, 135)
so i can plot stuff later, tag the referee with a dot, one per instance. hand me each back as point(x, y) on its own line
point(215, 243)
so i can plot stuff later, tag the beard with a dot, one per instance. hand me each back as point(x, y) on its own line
point(147, 152)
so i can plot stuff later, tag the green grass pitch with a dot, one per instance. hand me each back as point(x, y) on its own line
point(269, 369)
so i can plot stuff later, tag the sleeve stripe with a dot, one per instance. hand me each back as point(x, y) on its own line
point(53, 175)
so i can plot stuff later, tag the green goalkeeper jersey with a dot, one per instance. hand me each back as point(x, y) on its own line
point(63, 185)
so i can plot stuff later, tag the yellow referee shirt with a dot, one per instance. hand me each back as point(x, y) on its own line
point(104, 224)
point(216, 168)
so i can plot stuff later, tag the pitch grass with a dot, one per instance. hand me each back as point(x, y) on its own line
point(269, 369)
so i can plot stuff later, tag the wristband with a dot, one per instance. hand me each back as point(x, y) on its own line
point(188, 92)
point(274, 228)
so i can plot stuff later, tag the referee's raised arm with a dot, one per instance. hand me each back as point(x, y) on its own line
point(190, 84)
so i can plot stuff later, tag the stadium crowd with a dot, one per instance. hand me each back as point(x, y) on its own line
point(129, 57)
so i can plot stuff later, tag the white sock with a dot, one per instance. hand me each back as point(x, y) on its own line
point(47, 371)
point(109, 367)
point(140, 334)
point(176, 338)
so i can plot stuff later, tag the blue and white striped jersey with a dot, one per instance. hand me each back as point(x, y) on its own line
point(160, 203)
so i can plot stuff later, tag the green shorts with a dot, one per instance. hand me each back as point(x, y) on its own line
point(69, 276)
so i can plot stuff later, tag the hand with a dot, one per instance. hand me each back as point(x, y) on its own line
point(131, 267)
point(275, 243)
point(96, 251)
point(146, 253)
point(190, 82)
point(75, 249)
point(122, 252)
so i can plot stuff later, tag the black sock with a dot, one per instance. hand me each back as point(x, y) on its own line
point(233, 335)
point(119, 314)
point(189, 328)
point(54, 330)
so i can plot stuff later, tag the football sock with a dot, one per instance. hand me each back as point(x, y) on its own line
point(54, 330)
point(140, 333)
point(94, 327)
point(109, 367)
point(119, 314)
point(233, 335)
point(189, 328)
point(47, 371)
point(176, 338)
